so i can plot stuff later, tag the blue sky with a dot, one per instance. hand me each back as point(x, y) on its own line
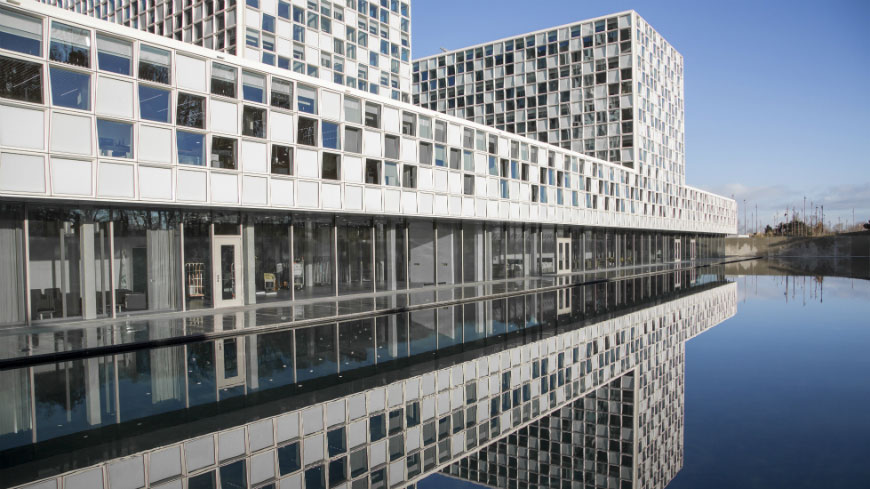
point(777, 105)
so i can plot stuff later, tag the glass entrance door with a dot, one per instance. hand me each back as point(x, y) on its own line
point(563, 260)
point(227, 270)
point(678, 250)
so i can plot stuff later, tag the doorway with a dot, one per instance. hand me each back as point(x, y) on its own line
point(227, 270)
point(563, 258)
point(678, 250)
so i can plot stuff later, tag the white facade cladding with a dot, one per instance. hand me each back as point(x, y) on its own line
point(363, 44)
point(609, 87)
point(144, 174)
point(193, 127)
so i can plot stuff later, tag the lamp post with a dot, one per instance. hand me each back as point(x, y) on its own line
point(744, 216)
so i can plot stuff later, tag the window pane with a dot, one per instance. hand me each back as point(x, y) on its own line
point(409, 124)
point(114, 55)
point(282, 94)
point(70, 45)
point(153, 64)
point(373, 172)
point(307, 99)
point(116, 139)
point(282, 160)
point(352, 110)
point(70, 89)
point(153, 104)
point(191, 111)
point(425, 154)
point(223, 153)
point(253, 87)
point(440, 131)
point(254, 122)
point(20, 80)
point(330, 169)
point(223, 80)
point(409, 176)
point(191, 147)
point(391, 174)
point(330, 135)
point(353, 139)
point(307, 131)
point(440, 155)
point(391, 147)
point(313, 248)
point(425, 127)
point(21, 33)
point(373, 115)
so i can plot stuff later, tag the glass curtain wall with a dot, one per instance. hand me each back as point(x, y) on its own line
point(472, 252)
point(449, 259)
point(355, 270)
point(273, 275)
point(497, 248)
point(391, 264)
point(548, 250)
point(145, 262)
point(515, 260)
point(421, 250)
point(197, 260)
point(12, 297)
point(313, 254)
point(55, 268)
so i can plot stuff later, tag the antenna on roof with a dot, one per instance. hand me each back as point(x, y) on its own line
point(443, 50)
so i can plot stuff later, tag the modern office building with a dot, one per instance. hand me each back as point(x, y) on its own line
point(609, 87)
point(363, 44)
point(140, 174)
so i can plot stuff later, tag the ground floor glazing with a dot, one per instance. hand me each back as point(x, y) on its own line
point(67, 261)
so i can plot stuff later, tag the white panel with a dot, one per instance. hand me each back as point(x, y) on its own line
point(409, 150)
point(155, 183)
point(268, 6)
point(353, 196)
point(22, 173)
point(352, 168)
point(252, 18)
point(504, 149)
point(480, 163)
point(492, 208)
point(22, 128)
point(190, 73)
point(492, 188)
point(191, 185)
point(71, 177)
point(114, 97)
point(409, 202)
point(282, 192)
point(326, 42)
point(455, 183)
point(373, 200)
point(454, 205)
point(441, 180)
point(480, 208)
point(391, 120)
point(480, 186)
point(224, 188)
point(454, 135)
point(504, 210)
point(306, 164)
point(424, 178)
point(254, 159)
point(330, 105)
point(424, 203)
point(115, 180)
point(467, 207)
point(372, 143)
point(308, 194)
point(281, 127)
point(440, 204)
point(224, 117)
point(71, 133)
point(255, 190)
point(331, 195)
point(392, 200)
point(155, 144)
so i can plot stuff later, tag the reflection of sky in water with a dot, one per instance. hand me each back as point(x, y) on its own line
point(778, 396)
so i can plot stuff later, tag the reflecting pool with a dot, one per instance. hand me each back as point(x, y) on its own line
point(605, 384)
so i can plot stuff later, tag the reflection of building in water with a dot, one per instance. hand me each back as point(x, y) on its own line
point(416, 422)
point(625, 434)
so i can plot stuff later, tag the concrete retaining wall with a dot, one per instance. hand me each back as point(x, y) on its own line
point(842, 245)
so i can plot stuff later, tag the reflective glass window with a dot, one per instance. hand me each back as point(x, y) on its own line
point(391, 174)
point(223, 80)
point(115, 138)
point(282, 160)
point(254, 87)
point(70, 45)
point(114, 55)
point(254, 122)
point(70, 89)
point(331, 166)
point(373, 115)
point(282, 94)
point(307, 131)
point(191, 148)
point(153, 64)
point(190, 111)
point(19, 32)
point(223, 153)
point(20, 80)
point(307, 99)
point(153, 104)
